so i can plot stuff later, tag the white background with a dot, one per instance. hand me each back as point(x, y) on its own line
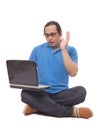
point(21, 28)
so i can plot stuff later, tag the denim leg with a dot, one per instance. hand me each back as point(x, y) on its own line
point(44, 103)
point(70, 97)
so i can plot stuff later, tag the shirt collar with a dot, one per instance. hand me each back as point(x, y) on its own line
point(47, 45)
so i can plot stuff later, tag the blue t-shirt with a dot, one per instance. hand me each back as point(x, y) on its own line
point(51, 70)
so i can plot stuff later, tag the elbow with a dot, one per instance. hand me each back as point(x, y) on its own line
point(74, 72)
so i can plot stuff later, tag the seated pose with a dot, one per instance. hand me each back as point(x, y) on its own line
point(56, 62)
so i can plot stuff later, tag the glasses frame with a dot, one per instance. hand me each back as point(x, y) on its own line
point(52, 34)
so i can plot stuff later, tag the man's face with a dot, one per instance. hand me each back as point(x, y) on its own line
point(52, 36)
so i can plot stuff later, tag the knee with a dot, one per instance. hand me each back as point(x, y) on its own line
point(83, 92)
point(24, 96)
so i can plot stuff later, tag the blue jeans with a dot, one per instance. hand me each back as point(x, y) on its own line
point(60, 104)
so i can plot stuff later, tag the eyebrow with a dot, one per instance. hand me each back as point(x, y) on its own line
point(50, 33)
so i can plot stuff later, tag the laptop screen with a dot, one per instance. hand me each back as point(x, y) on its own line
point(23, 72)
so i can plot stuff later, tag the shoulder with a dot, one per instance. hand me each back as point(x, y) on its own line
point(71, 49)
point(73, 53)
point(36, 50)
point(39, 47)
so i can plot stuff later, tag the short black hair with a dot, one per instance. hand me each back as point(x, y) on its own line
point(58, 27)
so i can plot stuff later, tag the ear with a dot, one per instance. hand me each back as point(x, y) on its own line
point(60, 34)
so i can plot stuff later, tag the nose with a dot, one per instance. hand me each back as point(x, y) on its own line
point(49, 37)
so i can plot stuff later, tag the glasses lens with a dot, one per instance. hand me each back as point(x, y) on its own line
point(51, 34)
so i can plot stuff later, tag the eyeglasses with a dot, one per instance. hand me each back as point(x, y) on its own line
point(53, 34)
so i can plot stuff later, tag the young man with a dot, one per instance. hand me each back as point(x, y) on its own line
point(56, 61)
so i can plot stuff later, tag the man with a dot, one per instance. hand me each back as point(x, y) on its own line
point(56, 61)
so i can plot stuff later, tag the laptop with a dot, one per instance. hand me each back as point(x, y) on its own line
point(22, 74)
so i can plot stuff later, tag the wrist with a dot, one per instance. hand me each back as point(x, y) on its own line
point(63, 49)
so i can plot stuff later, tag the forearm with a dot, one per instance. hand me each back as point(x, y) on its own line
point(70, 66)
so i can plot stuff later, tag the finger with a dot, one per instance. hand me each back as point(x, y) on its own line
point(67, 36)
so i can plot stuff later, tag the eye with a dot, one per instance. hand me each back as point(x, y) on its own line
point(53, 34)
